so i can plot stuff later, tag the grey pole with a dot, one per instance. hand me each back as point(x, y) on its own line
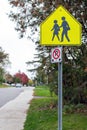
point(60, 95)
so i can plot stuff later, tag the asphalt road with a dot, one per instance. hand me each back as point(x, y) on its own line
point(7, 94)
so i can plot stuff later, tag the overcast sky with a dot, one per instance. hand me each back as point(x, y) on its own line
point(19, 50)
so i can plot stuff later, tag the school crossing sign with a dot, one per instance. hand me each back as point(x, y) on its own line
point(60, 28)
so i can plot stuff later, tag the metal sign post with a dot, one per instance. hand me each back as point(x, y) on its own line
point(56, 57)
point(60, 95)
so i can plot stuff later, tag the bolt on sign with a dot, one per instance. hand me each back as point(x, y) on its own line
point(60, 28)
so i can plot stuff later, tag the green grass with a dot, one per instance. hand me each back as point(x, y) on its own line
point(3, 86)
point(42, 91)
point(42, 115)
point(75, 122)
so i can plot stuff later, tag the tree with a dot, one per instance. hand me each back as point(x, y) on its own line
point(4, 60)
point(1, 75)
point(24, 79)
point(21, 78)
point(30, 82)
point(8, 78)
point(74, 75)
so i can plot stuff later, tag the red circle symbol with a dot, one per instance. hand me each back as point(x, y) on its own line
point(56, 53)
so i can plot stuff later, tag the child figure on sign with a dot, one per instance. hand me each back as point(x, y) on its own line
point(56, 29)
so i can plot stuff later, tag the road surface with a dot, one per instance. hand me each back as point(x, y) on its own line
point(7, 94)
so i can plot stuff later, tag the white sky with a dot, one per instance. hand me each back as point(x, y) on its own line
point(19, 50)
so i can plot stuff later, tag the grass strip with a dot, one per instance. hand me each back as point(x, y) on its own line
point(3, 86)
point(43, 114)
point(40, 117)
point(43, 91)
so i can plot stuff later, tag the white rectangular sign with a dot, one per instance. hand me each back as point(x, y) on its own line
point(56, 55)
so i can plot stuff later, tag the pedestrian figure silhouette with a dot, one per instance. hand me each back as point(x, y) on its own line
point(56, 30)
point(66, 28)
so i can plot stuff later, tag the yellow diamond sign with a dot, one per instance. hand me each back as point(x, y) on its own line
point(60, 28)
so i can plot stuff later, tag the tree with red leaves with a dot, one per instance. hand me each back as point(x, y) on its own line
point(24, 79)
point(21, 78)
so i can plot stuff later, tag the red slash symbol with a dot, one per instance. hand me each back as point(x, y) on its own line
point(56, 53)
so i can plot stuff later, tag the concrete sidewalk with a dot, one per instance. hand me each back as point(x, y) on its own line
point(13, 114)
